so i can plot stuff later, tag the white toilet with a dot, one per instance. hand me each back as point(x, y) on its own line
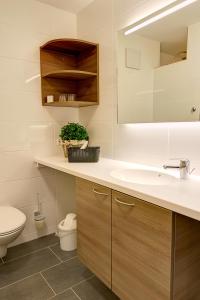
point(12, 222)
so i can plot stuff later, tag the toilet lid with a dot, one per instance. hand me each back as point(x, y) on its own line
point(10, 219)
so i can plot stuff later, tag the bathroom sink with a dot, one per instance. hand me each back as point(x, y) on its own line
point(144, 177)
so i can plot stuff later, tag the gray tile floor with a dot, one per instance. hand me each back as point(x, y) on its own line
point(40, 270)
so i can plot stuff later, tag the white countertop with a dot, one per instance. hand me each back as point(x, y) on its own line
point(182, 197)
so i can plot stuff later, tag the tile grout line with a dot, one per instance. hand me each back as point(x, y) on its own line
point(55, 255)
point(71, 288)
point(50, 267)
point(66, 260)
point(32, 252)
point(84, 280)
point(61, 260)
point(19, 280)
point(60, 293)
point(21, 256)
point(47, 283)
point(75, 294)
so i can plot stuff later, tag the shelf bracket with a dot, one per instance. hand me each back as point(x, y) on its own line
point(38, 165)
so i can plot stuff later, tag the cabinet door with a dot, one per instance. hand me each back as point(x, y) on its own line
point(141, 249)
point(94, 228)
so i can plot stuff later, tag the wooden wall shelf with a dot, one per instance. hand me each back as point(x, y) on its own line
point(70, 66)
point(70, 74)
point(71, 104)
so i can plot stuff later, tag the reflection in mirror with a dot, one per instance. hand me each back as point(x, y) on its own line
point(159, 69)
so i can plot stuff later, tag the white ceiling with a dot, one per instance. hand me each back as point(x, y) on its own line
point(73, 6)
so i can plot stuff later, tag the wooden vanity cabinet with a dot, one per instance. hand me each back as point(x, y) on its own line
point(186, 263)
point(94, 228)
point(141, 249)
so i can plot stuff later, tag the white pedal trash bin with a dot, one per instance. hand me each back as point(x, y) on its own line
point(67, 232)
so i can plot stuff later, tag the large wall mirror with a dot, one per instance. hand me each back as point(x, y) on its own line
point(159, 67)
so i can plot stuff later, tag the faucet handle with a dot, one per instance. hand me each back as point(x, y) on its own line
point(184, 162)
point(185, 168)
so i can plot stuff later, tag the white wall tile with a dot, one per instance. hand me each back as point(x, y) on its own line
point(41, 139)
point(20, 74)
point(26, 127)
point(18, 165)
point(185, 143)
point(19, 193)
point(13, 136)
point(99, 120)
point(145, 143)
point(19, 42)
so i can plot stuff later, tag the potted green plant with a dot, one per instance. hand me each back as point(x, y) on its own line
point(72, 135)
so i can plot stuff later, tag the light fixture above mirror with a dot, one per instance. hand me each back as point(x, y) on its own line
point(168, 10)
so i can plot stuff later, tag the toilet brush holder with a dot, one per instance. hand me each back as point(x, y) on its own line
point(39, 220)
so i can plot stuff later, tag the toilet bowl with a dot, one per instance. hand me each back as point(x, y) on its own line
point(12, 222)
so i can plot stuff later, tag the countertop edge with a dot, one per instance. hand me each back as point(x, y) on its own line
point(119, 187)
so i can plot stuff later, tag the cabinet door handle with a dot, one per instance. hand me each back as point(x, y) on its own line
point(99, 193)
point(124, 203)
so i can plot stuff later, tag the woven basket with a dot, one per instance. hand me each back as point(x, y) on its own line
point(67, 144)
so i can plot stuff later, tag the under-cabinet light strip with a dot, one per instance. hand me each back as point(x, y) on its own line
point(159, 16)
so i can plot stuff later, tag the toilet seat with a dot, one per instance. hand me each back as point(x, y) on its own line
point(11, 232)
point(11, 220)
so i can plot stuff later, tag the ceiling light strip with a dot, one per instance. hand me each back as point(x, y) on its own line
point(159, 16)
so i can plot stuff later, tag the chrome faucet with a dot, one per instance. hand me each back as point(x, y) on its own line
point(184, 168)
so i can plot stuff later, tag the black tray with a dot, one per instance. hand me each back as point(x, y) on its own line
point(90, 154)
